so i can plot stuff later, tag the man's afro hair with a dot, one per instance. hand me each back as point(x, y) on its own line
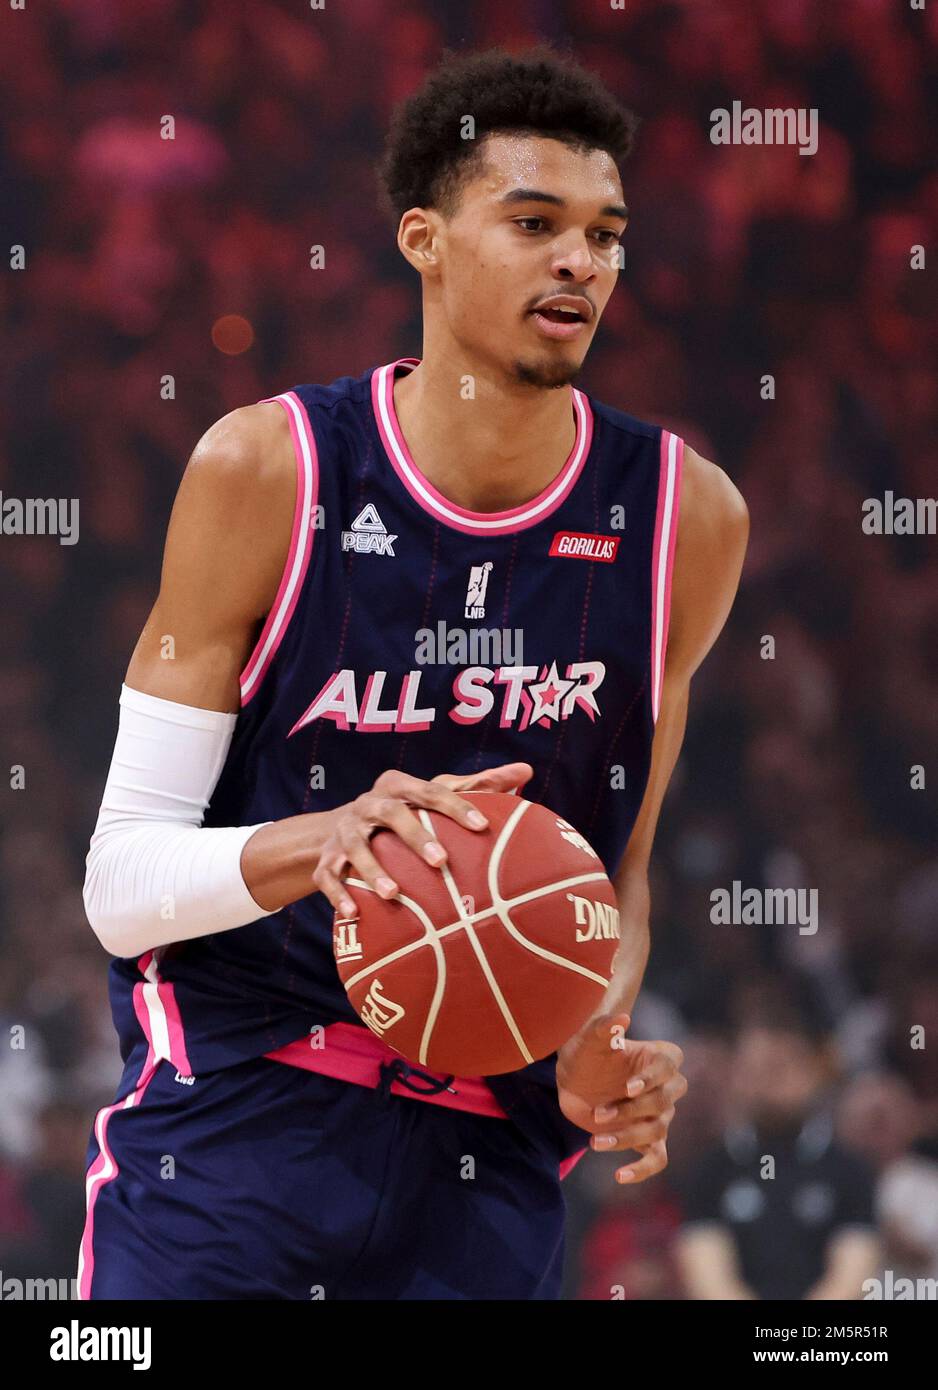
point(540, 92)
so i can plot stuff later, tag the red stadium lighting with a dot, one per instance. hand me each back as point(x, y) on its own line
point(232, 334)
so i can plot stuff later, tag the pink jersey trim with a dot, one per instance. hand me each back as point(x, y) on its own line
point(104, 1169)
point(351, 1053)
point(662, 560)
point(301, 546)
point(433, 501)
point(570, 1163)
point(158, 1015)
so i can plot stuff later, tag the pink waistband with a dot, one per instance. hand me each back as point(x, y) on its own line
point(353, 1053)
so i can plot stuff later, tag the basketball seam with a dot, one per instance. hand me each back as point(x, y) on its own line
point(477, 948)
point(501, 908)
point(472, 918)
point(430, 938)
point(499, 904)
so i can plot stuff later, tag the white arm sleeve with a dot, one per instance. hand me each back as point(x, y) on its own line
point(153, 875)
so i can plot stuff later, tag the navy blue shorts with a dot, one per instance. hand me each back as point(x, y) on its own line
point(267, 1181)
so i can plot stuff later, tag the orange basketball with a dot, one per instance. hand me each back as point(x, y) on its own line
point(495, 960)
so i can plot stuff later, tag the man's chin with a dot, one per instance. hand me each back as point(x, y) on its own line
point(546, 373)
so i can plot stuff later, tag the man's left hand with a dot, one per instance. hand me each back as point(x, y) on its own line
point(621, 1091)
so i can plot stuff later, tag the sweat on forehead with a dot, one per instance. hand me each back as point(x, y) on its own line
point(513, 169)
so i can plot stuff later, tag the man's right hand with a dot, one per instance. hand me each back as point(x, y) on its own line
point(290, 858)
point(388, 806)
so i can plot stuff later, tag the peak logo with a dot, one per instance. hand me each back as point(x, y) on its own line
point(368, 534)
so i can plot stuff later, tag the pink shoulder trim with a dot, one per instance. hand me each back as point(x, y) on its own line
point(662, 559)
point(301, 546)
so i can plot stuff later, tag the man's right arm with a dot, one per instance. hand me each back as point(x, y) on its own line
point(153, 875)
point(226, 548)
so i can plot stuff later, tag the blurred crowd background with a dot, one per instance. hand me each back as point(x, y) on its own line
point(741, 262)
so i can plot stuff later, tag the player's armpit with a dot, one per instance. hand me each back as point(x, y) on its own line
point(226, 547)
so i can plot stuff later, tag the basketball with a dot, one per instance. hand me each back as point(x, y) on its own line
point(493, 961)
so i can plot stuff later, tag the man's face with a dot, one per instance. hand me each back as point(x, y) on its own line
point(541, 220)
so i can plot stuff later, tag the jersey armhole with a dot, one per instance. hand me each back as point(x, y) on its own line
point(662, 558)
point(301, 546)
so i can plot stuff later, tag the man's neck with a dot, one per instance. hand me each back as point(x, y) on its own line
point(489, 453)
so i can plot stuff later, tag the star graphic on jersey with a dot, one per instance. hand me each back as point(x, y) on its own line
point(547, 695)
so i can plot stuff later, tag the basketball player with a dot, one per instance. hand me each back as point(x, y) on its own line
point(263, 1142)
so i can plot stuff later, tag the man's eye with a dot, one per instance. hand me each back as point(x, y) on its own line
point(609, 237)
point(520, 220)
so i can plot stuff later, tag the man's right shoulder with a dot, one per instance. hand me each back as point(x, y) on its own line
point(234, 512)
point(250, 448)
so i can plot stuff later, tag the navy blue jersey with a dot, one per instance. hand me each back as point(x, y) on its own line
point(412, 633)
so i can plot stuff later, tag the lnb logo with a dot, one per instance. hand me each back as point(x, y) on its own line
point(77, 1343)
point(475, 589)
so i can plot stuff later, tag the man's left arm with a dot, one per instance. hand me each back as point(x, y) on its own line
point(598, 1070)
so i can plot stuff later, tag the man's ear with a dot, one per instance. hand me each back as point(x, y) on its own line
point(417, 238)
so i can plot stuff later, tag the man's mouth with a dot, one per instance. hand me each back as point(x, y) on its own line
point(561, 315)
point(561, 321)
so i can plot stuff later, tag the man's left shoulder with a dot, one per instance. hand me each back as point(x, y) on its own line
point(711, 501)
point(712, 536)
